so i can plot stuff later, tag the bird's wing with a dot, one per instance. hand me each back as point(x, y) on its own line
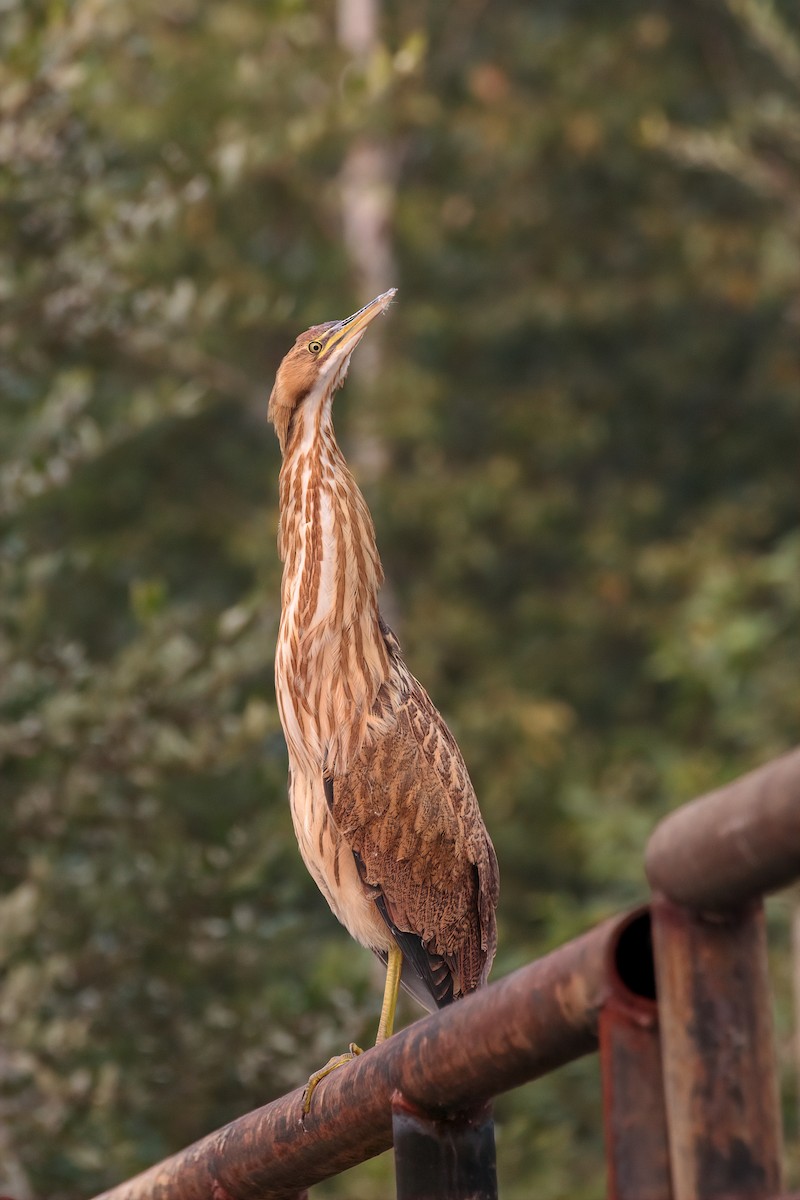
point(407, 809)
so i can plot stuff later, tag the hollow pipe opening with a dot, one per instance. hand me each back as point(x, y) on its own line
point(632, 963)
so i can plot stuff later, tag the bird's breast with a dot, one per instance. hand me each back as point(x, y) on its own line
point(330, 862)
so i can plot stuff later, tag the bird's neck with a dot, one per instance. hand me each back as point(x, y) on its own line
point(332, 657)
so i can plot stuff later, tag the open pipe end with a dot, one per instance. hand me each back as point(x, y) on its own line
point(632, 967)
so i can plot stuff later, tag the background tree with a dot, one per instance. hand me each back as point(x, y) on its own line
point(587, 507)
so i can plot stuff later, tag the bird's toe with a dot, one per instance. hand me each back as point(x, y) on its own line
point(338, 1060)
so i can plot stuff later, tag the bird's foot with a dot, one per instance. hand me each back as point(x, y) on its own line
point(332, 1064)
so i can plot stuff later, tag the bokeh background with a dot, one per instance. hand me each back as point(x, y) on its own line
point(577, 431)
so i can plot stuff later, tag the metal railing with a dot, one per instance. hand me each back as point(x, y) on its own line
point(690, 1091)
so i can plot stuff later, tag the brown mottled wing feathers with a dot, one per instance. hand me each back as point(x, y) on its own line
point(408, 811)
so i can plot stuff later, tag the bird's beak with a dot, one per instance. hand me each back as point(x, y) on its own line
point(347, 334)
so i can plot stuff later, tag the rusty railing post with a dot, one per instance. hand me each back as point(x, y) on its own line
point(443, 1158)
point(719, 1065)
point(709, 864)
point(634, 1114)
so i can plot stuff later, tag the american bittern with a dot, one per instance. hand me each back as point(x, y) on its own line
point(382, 805)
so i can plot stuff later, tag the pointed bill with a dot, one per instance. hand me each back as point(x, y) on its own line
point(347, 333)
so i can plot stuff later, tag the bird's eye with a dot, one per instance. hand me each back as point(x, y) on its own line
point(315, 347)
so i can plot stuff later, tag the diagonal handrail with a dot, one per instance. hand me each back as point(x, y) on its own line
point(527, 1024)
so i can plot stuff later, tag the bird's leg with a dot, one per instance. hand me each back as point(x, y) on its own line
point(394, 966)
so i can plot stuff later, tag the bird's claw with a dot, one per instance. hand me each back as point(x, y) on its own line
point(332, 1064)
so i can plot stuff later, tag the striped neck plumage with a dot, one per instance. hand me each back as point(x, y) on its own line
point(331, 651)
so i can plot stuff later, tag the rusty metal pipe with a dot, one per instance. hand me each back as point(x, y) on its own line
point(732, 845)
point(533, 1021)
point(720, 1079)
point(449, 1158)
point(634, 1112)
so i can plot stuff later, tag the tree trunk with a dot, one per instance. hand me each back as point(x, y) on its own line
point(367, 197)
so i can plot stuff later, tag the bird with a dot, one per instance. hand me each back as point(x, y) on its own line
point(383, 808)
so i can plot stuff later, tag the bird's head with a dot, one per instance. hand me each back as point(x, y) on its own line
point(317, 364)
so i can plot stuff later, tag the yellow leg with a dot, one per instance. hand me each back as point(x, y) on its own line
point(394, 966)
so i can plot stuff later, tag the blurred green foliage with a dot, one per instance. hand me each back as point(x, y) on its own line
point(589, 405)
